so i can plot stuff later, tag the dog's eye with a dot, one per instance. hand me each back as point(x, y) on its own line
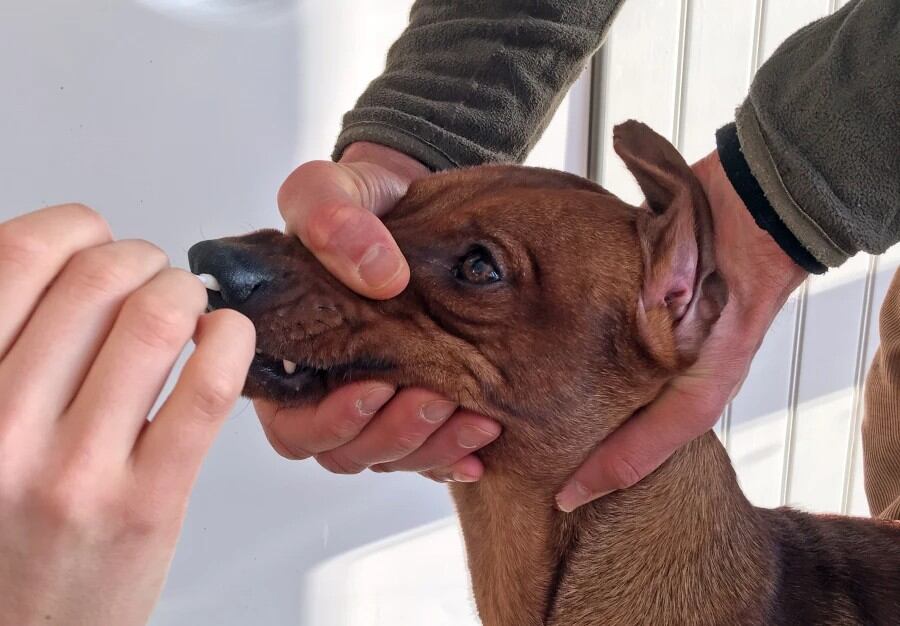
point(478, 268)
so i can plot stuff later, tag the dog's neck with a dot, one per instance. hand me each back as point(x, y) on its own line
point(681, 541)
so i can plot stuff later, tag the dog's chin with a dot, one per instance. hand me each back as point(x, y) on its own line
point(308, 383)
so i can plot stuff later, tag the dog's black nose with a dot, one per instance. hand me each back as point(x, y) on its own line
point(240, 273)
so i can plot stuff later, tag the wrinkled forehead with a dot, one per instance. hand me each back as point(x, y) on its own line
point(499, 193)
point(544, 214)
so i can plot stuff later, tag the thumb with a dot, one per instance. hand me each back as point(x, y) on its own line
point(643, 443)
point(323, 204)
point(334, 207)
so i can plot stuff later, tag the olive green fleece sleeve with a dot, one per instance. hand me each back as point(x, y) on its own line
point(820, 131)
point(475, 81)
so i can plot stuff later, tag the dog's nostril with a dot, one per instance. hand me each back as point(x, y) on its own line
point(230, 268)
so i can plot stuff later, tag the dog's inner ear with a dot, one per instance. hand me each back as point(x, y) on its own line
point(682, 295)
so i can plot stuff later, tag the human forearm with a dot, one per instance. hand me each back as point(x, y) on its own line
point(820, 131)
point(472, 82)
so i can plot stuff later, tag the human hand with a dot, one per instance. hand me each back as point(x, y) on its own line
point(92, 494)
point(333, 208)
point(760, 277)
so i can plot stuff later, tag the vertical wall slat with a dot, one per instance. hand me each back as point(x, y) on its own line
point(638, 80)
point(595, 117)
point(680, 75)
point(564, 143)
point(865, 326)
point(793, 393)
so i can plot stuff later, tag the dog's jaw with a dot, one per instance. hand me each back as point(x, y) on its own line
point(298, 383)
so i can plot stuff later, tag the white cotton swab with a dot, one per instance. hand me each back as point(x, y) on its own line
point(209, 281)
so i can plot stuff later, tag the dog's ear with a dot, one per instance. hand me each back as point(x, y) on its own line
point(682, 295)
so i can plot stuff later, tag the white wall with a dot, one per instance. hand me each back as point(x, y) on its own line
point(178, 119)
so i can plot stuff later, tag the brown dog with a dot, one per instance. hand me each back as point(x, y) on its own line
point(540, 299)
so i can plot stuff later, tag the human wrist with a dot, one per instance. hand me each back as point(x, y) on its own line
point(756, 200)
point(759, 272)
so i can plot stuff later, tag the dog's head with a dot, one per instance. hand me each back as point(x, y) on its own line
point(533, 293)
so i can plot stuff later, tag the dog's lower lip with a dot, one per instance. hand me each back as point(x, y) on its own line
point(283, 366)
point(270, 373)
point(270, 377)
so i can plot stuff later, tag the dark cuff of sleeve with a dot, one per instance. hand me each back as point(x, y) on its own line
point(747, 187)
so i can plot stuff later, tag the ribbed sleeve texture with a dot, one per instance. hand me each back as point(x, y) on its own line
point(881, 424)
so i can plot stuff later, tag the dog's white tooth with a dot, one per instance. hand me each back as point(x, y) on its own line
point(289, 366)
point(209, 281)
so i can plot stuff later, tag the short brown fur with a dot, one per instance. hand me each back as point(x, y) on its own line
point(564, 349)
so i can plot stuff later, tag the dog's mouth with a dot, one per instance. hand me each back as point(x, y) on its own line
point(279, 374)
point(295, 382)
point(283, 375)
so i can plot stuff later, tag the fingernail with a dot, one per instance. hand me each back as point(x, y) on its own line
point(459, 477)
point(574, 495)
point(379, 266)
point(473, 437)
point(374, 400)
point(437, 410)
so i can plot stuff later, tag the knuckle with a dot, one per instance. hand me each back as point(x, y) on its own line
point(140, 519)
point(291, 452)
point(303, 183)
point(101, 270)
point(87, 218)
point(156, 323)
point(64, 503)
point(188, 292)
point(435, 475)
point(22, 245)
point(402, 445)
point(83, 213)
point(622, 472)
point(323, 221)
point(214, 394)
point(21, 248)
point(302, 179)
point(443, 459)
point(94, 272)
point(337, 463)
point(344, 428)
